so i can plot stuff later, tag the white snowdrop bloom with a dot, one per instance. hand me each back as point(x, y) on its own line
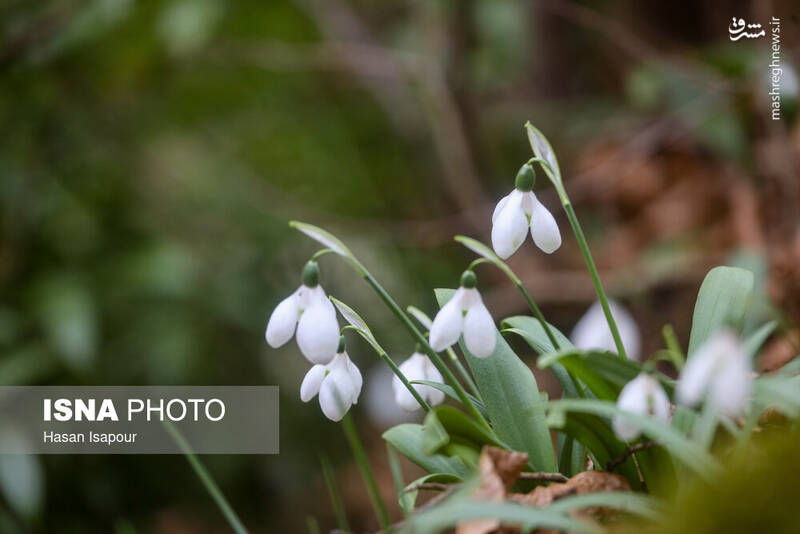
point(592, 331)
point(465, 314)
point(642, 396)
point(309, 310)
point(337, 383)
point(417, 367)
point(518, 211)
point(719, 371)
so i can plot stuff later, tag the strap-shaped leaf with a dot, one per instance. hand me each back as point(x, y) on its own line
point(723, 301)
point(323, 237)
point(511, 394)
point(407, 439)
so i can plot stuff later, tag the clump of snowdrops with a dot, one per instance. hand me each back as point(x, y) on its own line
point(617, 414)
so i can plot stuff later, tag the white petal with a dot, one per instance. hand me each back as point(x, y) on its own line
point(544, 229)
point(448, 323)
point(730, 386)
point(280, 327)
point(701, 367)
point(592, 331)
point(311, 383)
point(355, 378)
point(510, 227)
point(624, 428)
point(500, 205)
point(402, 396)
point(480, 334)
point(318, 332)
point(336, 395)
point(660, 403)
point(634, 396)
point(432, 374)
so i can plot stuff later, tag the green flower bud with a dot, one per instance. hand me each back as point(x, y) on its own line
point(526, 177)
point(311, 274)
point(469, 280)
point(342, 345)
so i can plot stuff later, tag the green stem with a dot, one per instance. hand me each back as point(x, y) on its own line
point(205, 477)
point(334, 494)
point(463, 371)
point(366, 472)
point(395, 369)
point(598, 285)
point(432, 354)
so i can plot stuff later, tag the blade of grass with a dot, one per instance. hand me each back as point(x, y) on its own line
point(205, 477)
point(333, 493)
point(366, 472)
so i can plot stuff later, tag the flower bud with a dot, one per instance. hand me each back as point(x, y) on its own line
point(342, 345)
point(311, 274)
point(526, 177)
point(469, 280)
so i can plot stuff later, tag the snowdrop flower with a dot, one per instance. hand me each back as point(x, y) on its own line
point(417, 367)
point(338, 384)
point(719, 371)
point(518, 211)
point(312, 313)
point(464, 313)
point(592, 331)
point(643, 396)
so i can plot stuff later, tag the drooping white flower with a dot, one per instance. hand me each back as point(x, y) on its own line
point(592, 331)
point(465, 314)
point(309, 310)
point(643, 396)
point(417, 367)
point(337, 383)
point(518, 211)
point(719, 371)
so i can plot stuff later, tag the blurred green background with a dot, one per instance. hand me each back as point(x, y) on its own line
point(153, 153)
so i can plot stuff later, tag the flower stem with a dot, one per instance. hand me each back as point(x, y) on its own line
point(434, 356)
point(463, 372)
point(366, 472)
point(205, 477)
point(334, 494)
point(598, 285)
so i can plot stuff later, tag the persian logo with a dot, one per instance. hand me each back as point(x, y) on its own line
point(737, 28)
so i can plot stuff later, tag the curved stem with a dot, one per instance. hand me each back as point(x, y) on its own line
point(396, 370)
point(432, 354)
point(598, 285)
point(318, 254)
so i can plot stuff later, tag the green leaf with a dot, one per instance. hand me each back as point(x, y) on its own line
point(512, 399)
point(604, 373)
point(434, 435)
point(753, 343)
point(723, 301)
point(456, 509)
point(323, 237)
point(482, 250)
point(543, 149)
point(634, 503)
point(531, 330)
point(408, 440)
point(779, 391)
point(688, 452)
point(462, 427)
point(420, 316)
point(358, 324)
point(450, 392)
point(408, 497)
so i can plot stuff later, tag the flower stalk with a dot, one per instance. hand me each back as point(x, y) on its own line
point(366, 472)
